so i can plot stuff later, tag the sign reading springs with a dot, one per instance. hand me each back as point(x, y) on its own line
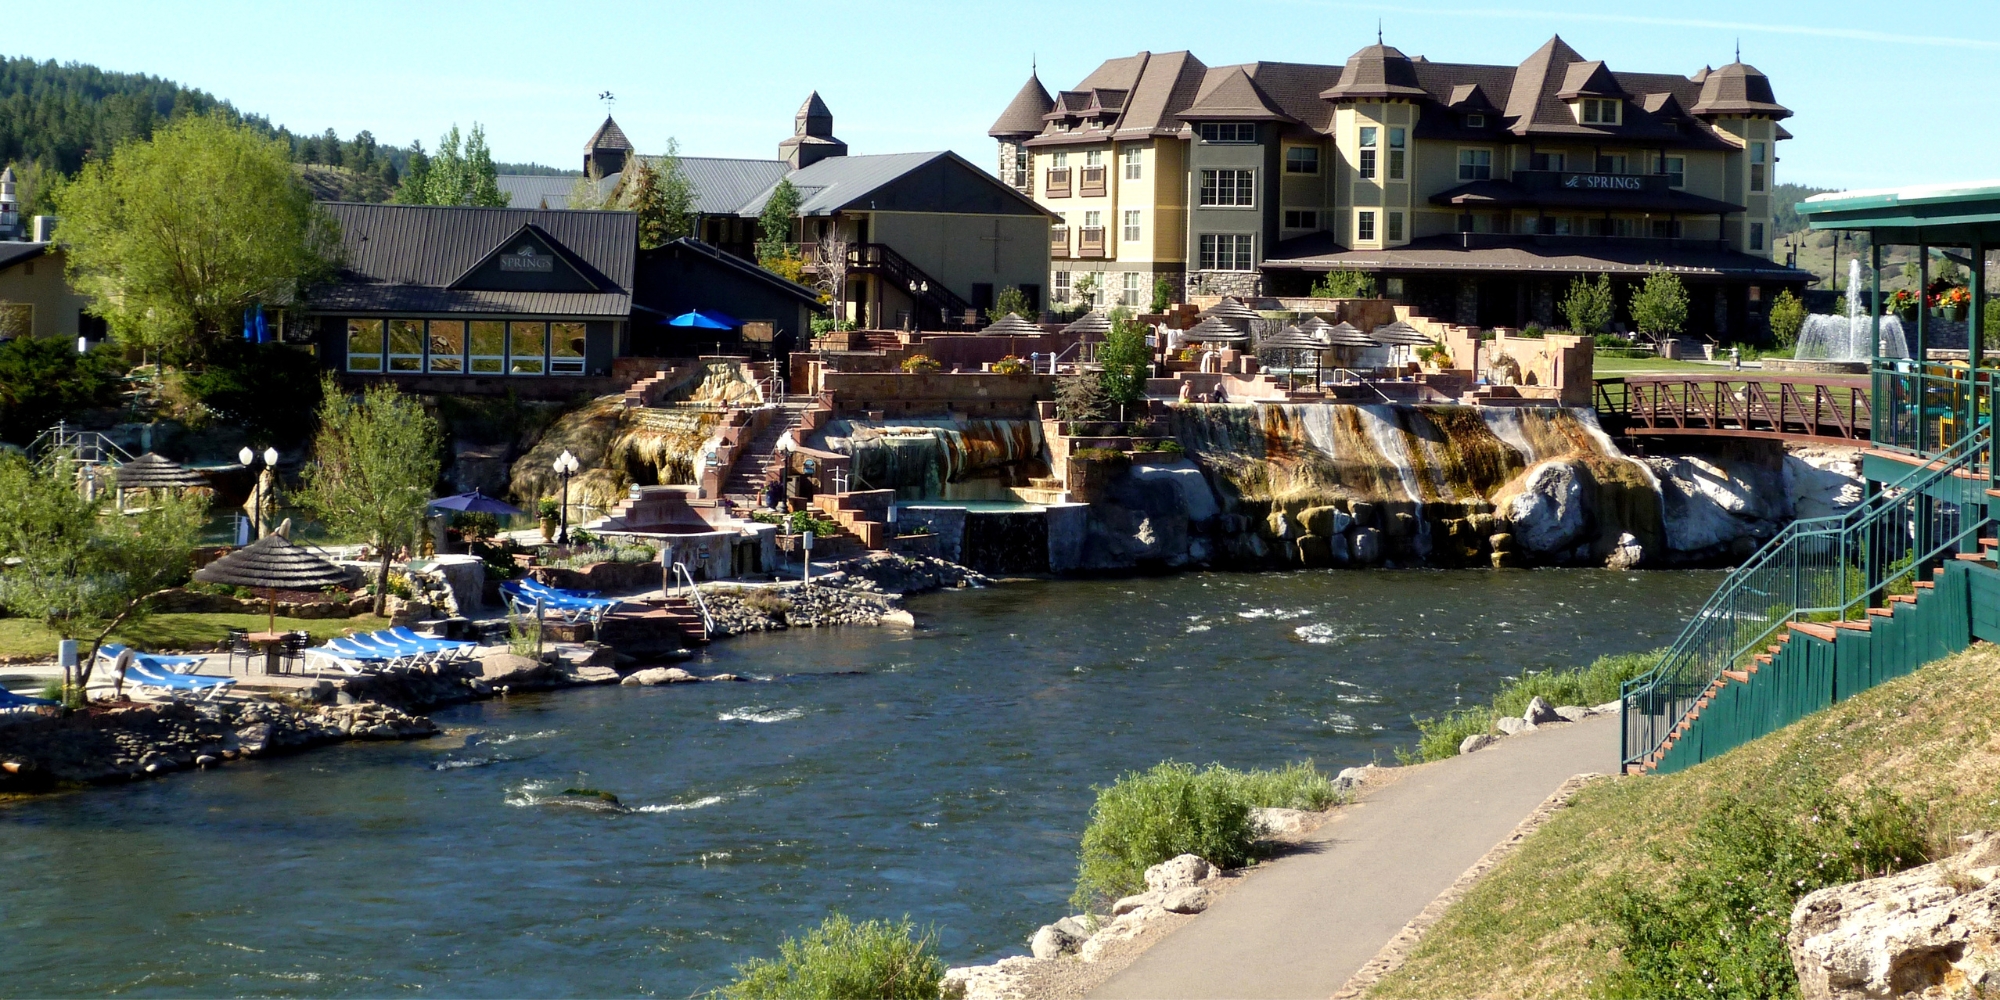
point(526, 259)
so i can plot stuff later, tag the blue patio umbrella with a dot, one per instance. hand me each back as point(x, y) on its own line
point(706, 319)
point(474, 502)
point(255, 329)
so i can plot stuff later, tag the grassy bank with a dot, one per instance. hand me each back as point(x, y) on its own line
point(840, 959)
point(1590, 685)
point(23, 638)
point(1553, 920)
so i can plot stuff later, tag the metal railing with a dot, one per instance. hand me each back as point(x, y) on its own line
point(681, 575)
point(1736, 404)
point(79, 446)
point(1921, 406)
point(1821, 569)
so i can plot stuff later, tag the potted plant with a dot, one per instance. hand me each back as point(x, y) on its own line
point(549, 513)
point(921, 364)
point(1010, 365)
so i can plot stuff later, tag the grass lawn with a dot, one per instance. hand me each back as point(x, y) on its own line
point(1603, 364)
point(198, 632)
point(1537, 925)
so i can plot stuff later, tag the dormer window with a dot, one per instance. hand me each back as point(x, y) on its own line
point(1475, 121)
point(1598, 110)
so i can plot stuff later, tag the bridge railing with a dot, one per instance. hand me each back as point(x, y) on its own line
point(1736, 403)
point(1821, 569)
point(1920, 408)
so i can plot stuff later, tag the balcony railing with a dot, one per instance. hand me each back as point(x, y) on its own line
point(1057, 185)
point(1058, 241)
point(1090, 241)
point(1091, 185)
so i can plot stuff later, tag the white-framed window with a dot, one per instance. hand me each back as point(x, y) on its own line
point(1758, 166)
point(1599, 110)
point(1475, 164)
point(1059, 281)
point(1547, 161)
point(1395, 227)
point(1093, 219)
point(1475, 121)
point(1059, 159)
point(1301, 159)
point(1132, 290)
point(1133, 161)
point(1093, 158)
point(1225, 252)
point(1301, 218)
point(1228, 188)
point(1675, 167)
point(566, 348)
point(1364, 226)
point(1227, 132)
point(1398, 141)
point(487, 341)
point(1368, 140)
point(527, 348)
point(406, 345)
point(1021, 162)
point(1130, 231)
point(1756, 236)
point(364, 345)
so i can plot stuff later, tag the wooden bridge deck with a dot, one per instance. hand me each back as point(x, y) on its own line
point(1737, 404)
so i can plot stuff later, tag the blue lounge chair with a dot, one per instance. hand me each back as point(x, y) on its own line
point(442, 650)
point(173, 685)
point(404, 654)
point(525, 595)
point(110, 652)
point(349, 659)
point(11, 702)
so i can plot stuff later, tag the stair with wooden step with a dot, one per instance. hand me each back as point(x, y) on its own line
point(761, 463)
point(653, 621)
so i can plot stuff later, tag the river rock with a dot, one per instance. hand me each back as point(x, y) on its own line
point(1932, 926)
point(1325, 521)
point(1191, 899)
point(1573, 713)
point(659, 675)
point(1003, 980)
point(1054, 942)
point(1712, 504)
point(1608, 708)
point(1548, 515)
point(1367, 545)
point(1176, 873)
point(510, 668)
point(1276, 822)
point(1508, 725)
point(1131, 904)
point(1540, 712)
point(1477, 741)
point(592, 675)
point(1076, 925)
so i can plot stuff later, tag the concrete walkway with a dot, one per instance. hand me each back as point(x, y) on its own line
point(1304, 924)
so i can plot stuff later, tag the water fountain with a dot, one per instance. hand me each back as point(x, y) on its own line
point(1841, 344)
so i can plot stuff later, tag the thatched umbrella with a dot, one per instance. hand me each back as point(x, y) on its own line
point(1292, 339)
point(1213, 330)
point(1399, 333)
point(1011, 325)
point(153, 472)
point(1231, 310)
point(1092, 322)
point(273, 563)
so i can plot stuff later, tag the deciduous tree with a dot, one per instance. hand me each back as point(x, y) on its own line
point(174, 237)
point(1788, 316)
point(774, 226)
point(460, 173)
point(1126, 361)
point(375, 460)
point(1660, 306)
point(1589, 307)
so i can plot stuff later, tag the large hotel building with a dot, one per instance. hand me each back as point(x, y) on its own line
point(1473, 192)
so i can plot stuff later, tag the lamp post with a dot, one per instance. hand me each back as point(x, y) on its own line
point(249, 459)
point(917, 288)
point(565, 466)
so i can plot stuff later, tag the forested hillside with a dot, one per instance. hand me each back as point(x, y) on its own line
point(54, 115)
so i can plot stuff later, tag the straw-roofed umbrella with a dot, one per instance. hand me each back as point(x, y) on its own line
point(1215, 331)
point(1294, 339)
point(1347, 335)
point(1399, 333)
point(1231, 310)
point(273, 563)
point(154, 472)
point(1011, 325)
point(1092, 322)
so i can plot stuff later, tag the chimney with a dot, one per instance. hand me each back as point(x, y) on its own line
point(45, 229)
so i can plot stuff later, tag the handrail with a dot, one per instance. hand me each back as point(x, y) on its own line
point(87, 447)
point(707, 620)
point(1818, 567)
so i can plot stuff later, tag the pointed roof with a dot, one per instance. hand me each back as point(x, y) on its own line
point(1589, 79)
point(811, 114)
point(1534, 77)
point(1214, 331)
point(1234, 96)
point(1024, 113)
point(1377, 71)
point(151, 472)
point(1398, 332)
point(1739, 89)
point(1092, 322)
point(607, 136)
point(1347, 334)
point(274, 562)
point(1013, 326)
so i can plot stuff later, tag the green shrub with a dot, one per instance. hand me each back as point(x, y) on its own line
point(1719, 929)
point(1344, 285)
point(1438, 737)
point(1147, 817)
point(1600, 682)
point(271, 391)
point(44, 380)
point(840, 960)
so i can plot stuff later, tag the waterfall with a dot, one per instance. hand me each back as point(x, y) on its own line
point(940, 458)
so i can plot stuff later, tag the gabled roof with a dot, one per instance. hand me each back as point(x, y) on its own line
point(12, 253)
point(537, 190)
point(1024, 113)
point(405, 258)
point(607, 136)
point(1231, 95)
point(1589, 79)
point(915, 182)
point(730, 261)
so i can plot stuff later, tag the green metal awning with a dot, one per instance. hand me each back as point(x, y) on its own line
point(1956, 214)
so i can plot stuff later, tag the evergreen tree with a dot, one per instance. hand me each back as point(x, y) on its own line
point(774, 224)
point(658, 190)
point(462, 173)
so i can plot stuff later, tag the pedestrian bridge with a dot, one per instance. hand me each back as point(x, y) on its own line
point(1801, 408)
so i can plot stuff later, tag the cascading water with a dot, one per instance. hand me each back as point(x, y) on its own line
point(941, 458)
point(1848, 338)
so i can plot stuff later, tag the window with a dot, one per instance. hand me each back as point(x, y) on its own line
point(1367, 171)
point(1547, 161)
point(1059, 281)
point(1756, 236)
point(364, 345)
point(1599, 111)
point(566, 348)
point(1132, 290)
point(1058, 159)
point(527, 348)
point(1228, 132)
point(1397, 151)
point(1364, 227)
point(1225, 253)
point(1228, 188)
point(1021, 162)
point(1675, 167)
point(447, 346)
point(1395, 227)
point(1301, 218)
point(1475, 121)
point(1475, 164)
point(406, 345)
point(1666, 229)
point(1757, 166)
point(489, 347)
point(1132, 162)
point(1093, 158)
point(1611, 163)
point(1131, 231)
point(1301, 160)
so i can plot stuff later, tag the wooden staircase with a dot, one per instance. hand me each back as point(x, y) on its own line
point(649, 622)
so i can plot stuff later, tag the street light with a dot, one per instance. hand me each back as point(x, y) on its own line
point(565, 466)
point(249, 458)
point(917, 288)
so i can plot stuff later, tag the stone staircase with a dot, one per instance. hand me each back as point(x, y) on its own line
point(654, 623)
point(760, 462)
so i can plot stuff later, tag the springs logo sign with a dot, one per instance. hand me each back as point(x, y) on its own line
point(526, 259)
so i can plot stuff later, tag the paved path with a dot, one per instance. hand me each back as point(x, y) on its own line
point(1303, 925)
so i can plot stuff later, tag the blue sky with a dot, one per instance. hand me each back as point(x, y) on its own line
point(1875, 103)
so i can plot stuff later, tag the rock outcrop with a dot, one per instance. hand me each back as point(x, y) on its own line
point(1931, 931)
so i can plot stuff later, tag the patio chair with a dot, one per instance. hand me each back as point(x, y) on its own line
point(11, 702)
point(159, 661)
point(362, 651)
point(412, 655)
point(570, 609)
point(294, 645)
point(166, 683)
point(449, 649)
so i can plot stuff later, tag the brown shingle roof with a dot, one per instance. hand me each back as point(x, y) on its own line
point(1230, 94)
point(1741, 90)
point(607, 136)
point(1376, 71)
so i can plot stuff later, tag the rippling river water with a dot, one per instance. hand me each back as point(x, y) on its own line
point(944, 773)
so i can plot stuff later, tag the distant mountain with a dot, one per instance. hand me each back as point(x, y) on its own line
point(58, 114)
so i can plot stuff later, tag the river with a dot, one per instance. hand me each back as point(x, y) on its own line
point(944, 773)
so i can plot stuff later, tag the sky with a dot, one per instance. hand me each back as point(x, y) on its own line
point(1875, 103)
